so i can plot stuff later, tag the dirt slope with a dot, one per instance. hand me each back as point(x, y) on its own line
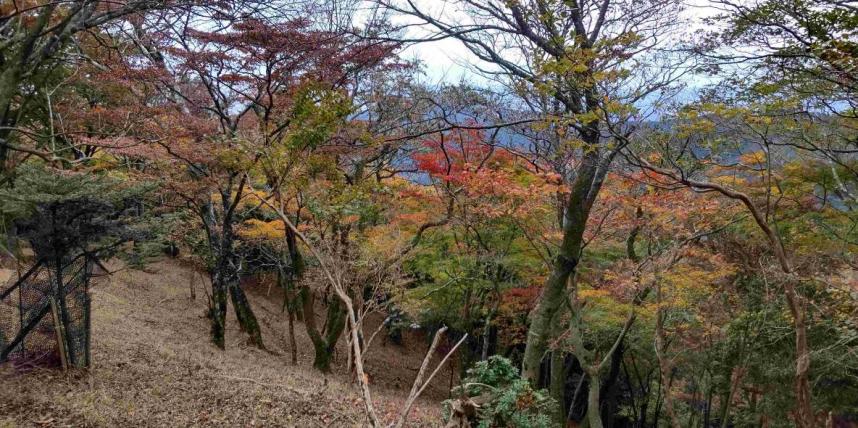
point(153, 365)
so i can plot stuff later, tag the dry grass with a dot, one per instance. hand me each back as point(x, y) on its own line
point(153, 365)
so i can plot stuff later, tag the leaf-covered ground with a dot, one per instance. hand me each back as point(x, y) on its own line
point(153, 365)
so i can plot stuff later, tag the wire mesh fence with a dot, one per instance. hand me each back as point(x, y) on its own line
point(45, 314)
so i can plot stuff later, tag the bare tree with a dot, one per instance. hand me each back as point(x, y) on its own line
point(336, 272)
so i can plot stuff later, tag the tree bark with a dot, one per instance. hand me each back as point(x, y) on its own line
point(246, 319)
point(610, 388)
point(217, 312)
point(292, 344)
point(804, 416)
point(584, 190)
point(287, 282)
point(557, 383)
point(323, 342)
point(593, 415)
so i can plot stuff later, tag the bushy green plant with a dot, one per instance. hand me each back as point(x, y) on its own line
point(60, 212)
point(506, 399)
point(496, 371)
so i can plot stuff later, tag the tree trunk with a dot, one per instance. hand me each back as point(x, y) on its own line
point(292, 345)
point(484, 352)
point(291, 309)
point(297, 264)
point(584, 190)
point(610, 389)
point(9, 84)
point(804, 417)
point(594, 416)
point(319, 346)
point(219, 242)
point(557, 383)
point(246, 319)
point(725, 408)
point(287, 282)
point(217, 312)
point(227, 271)
point(60, 294)
point(323, 346)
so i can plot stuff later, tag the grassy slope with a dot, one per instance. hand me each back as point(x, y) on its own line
point(154, 366)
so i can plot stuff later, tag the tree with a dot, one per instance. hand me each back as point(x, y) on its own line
point(220, 92)
point(807, 47)
point(37, 38)
point(696, 157)
point(803, 59)
point(495, 239)
point(577, 57)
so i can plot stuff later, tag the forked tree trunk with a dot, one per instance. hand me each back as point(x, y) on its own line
point(226, 274)
point(225, 283)
point(593, 365)
point(325, 342)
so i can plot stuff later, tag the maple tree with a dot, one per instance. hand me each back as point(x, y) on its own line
point(218, 100)
point(492, 200)
point(756, 180)
point(37, 38)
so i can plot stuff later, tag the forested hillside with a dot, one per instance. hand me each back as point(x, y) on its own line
point(248, 212)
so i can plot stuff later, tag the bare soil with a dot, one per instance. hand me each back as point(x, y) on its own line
point(154, 365)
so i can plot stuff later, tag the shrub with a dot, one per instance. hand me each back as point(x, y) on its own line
point(503, 397)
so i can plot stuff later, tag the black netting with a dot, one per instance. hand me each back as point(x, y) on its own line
point(38, 314)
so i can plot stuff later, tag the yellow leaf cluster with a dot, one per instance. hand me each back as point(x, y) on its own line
point(254, 229)
point(756, 158)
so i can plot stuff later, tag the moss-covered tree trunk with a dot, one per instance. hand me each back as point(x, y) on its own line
point(289, 273)
point(225, 277)
point(324, 342)
point(291, 308)
point(217, 308)
point(584, 190)
point(246, 318)
point(594, 418)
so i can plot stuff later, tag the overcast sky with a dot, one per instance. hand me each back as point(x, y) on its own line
point(449, 61)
